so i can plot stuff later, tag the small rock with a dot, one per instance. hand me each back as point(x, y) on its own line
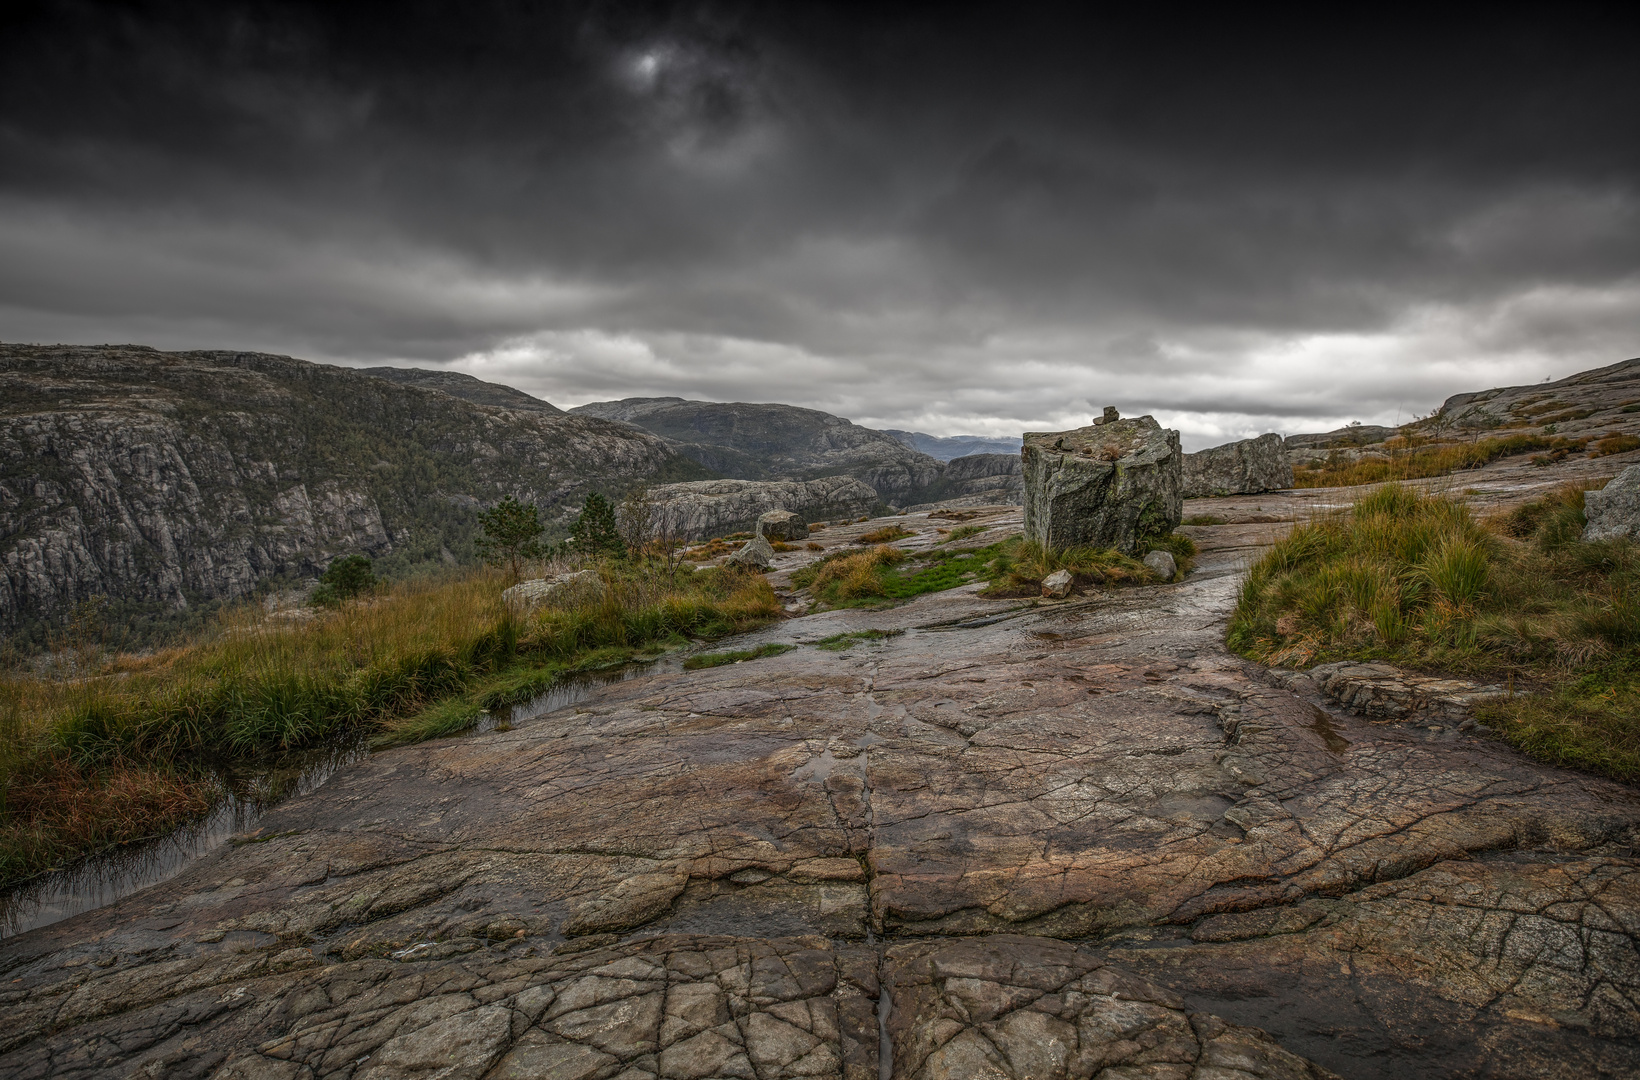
point(1110, 416)
point(1162, 565)
point(1057, 584)
point(756, 552)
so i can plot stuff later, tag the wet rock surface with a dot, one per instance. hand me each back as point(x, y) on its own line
point(1059, 838)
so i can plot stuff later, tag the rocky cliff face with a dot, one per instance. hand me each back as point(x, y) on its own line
point(166, 482)
point(774, 442)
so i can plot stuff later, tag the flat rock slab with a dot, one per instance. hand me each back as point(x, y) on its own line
point(1069, 839)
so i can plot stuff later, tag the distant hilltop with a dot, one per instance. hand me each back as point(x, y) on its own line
point(946, 447)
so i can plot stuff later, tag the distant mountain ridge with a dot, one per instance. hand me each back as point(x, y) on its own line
point(169, 482)
point(947, 447)
point(464, 386)
point(748, 441)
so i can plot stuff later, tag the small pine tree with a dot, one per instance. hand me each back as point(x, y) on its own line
point(512, 534)
point(595, 531)
point(345, 578)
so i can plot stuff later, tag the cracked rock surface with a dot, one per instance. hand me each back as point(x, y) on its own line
point(1070, 839)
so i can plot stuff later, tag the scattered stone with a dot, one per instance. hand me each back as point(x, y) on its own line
point(1057, 584)
point(1248, 466)
point(1111, 485)
point(756, 552)
point(526, 596)
point(782, 525)
point(1162, 565)
point(1613, 513)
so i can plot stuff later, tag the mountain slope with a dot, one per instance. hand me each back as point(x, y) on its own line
point(465, 387)
point(765, 442)
point(169, 482)
point(947, 447)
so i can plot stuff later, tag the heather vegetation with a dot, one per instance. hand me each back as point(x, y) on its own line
point(112, 748)
point(1519, 599)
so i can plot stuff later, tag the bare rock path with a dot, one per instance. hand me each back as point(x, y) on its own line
point(1073, 839)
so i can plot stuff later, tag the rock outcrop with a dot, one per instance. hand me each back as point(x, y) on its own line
point(1613, 512)
point(717, 507)
point(168, 482)
point(777, 442)
point(1238, 468)
point(1108, 485)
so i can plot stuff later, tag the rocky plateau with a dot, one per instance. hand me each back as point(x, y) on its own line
point(1013, 839)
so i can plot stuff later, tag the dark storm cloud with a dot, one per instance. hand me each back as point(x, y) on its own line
point(953, 217)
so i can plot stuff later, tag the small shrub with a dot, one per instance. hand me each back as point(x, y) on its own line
point(1204, 519)
point(812, 546)
point(963, 532)
point(346, 578)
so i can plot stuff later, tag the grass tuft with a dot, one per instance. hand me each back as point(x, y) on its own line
point(719, 659)
point(1414, 579)
point(841, 642)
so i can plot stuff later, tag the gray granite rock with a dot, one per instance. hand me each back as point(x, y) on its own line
point(1106, 486)
point(1250, 465)
point(782, 525)
point(1613, 512)
point(1162, 565)
point(1057, 584)
point(756, 552)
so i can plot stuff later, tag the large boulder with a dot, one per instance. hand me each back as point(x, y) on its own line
point(1238, 468)
point(715, 507)
point(1111, 485)
point(1613, 513)
point(782, 525)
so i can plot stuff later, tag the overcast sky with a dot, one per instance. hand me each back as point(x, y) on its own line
point(956, 219)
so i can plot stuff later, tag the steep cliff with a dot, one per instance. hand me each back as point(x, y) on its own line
point(777, 442)
point(168, 482)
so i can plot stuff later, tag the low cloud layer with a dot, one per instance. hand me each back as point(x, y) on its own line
point(970, 220)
